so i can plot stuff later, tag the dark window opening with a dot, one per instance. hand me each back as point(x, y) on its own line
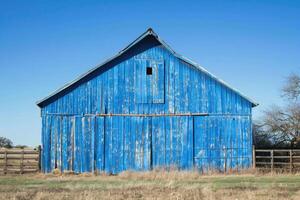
point(149, 70)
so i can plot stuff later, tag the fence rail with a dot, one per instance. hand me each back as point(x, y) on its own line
point(275, 159)
point(19, 160)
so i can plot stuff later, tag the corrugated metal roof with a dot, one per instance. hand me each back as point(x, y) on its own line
point(145, 34)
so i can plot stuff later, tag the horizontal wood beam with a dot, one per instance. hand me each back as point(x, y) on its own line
point(143, 114)
point(131, 115)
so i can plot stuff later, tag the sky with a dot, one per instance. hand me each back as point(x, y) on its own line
point(252, 45)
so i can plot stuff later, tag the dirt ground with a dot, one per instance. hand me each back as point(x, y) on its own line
point(150, 185)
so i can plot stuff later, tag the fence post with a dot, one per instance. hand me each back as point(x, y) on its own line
point(272, 160)
point(253, 157)
point(5, 160)
point(40, 156)
point(291, 161)
point(22, 159)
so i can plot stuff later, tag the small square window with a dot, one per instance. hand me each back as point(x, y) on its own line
point(149, 70)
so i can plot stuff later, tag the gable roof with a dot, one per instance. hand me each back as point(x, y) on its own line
point(149, 32)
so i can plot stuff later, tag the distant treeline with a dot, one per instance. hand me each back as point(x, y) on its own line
point(7, 143)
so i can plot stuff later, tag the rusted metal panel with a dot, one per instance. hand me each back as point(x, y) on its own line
point(124, 118)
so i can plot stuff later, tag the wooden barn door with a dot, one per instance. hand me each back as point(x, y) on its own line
point(137, 141)
point(87, 144)
point(201, 154)
point(213, 142)
point(172, 142)
point(126, 144)
point(57, 143)
point(83, 136)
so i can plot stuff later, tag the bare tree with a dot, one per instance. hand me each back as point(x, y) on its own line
point(284, 122)
point(262, 139)
point(5, 142)
point(291, 88)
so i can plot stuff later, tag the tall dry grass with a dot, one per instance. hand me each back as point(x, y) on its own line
point(156, 184)
point(160, 173)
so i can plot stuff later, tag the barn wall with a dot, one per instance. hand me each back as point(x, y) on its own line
point(75, 138)
point(115, 144)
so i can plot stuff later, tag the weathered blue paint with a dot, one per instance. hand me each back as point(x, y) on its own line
point(118, 118)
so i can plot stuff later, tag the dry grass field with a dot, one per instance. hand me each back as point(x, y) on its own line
point(150, 185)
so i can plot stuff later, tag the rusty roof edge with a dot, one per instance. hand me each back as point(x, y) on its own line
point(142, 36)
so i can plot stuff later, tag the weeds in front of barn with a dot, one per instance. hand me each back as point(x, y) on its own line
point(156, 184)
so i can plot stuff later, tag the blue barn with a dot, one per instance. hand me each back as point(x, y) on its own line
point(147, 107)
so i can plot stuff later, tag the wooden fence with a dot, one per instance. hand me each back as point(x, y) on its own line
point(277, 159)
point(28, 160)
point(19, 160)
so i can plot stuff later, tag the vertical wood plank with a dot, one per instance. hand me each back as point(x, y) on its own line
point(225, 159)
point(92, 152)
point(71, 161)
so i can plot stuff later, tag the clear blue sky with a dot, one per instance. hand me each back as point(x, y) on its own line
point(252, 45)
